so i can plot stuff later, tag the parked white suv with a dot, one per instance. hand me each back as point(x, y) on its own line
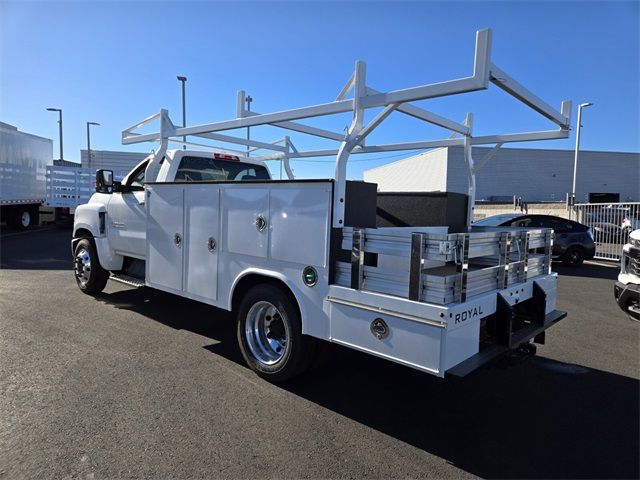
point(627, 288)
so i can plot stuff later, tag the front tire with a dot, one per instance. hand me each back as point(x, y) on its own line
point(270, 334)
point(90, 276)
point(574, 256)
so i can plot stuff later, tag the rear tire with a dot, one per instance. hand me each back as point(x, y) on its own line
point(574, 256)
point(90, 276)
point(270, 334)
point(21, 218)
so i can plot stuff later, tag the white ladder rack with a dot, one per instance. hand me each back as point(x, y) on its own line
point(353, 141)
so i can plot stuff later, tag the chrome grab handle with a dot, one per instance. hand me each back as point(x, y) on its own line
point(211, 244)
point(261, 223)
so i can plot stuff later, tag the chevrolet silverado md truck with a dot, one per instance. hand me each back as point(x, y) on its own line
point(303, 261)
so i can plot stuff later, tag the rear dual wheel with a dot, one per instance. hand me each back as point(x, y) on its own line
point(270, 334)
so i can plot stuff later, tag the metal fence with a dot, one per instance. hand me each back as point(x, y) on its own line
point(611, 224)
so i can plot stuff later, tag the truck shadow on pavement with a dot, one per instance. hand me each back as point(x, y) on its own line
point(537, 419)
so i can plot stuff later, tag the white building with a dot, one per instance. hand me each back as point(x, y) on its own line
point(533, 174)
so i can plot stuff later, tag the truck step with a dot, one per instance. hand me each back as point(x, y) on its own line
point(127, 280)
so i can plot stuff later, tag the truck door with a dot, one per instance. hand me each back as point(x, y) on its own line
point(128, 218)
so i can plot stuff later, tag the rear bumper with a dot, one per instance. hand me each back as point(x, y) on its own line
point(534, 331)
point(590, 252)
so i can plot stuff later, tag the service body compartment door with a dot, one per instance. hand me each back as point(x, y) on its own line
point(397, 338)
point(165, 237)
point(300, 223)
point(245, 220)
point(202, 222)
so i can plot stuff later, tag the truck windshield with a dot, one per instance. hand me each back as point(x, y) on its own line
point(203, 169)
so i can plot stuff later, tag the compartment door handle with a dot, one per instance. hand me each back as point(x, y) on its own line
point(211, 244)
point(261, 223)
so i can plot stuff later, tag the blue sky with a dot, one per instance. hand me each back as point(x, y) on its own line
point(116, 63)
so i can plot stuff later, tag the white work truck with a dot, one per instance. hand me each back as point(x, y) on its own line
point(302, 261)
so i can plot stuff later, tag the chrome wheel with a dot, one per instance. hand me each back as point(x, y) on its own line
point(82, 266)
point(267, 333)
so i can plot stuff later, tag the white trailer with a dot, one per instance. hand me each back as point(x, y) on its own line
point(23, 161)
point(299, 261)
point(70, 186)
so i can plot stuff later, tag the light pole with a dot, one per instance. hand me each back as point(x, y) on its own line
point(183, 80)
point(59, 110)
point(89, 142)
point(248, 100)
point(575, 158)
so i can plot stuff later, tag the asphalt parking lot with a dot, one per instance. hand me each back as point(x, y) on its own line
point(138, 383)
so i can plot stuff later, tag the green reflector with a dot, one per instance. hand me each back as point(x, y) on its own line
point(310, 276)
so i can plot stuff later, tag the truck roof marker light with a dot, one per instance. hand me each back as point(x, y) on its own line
point(224, 156)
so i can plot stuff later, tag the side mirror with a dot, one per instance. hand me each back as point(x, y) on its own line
point(104, 181)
